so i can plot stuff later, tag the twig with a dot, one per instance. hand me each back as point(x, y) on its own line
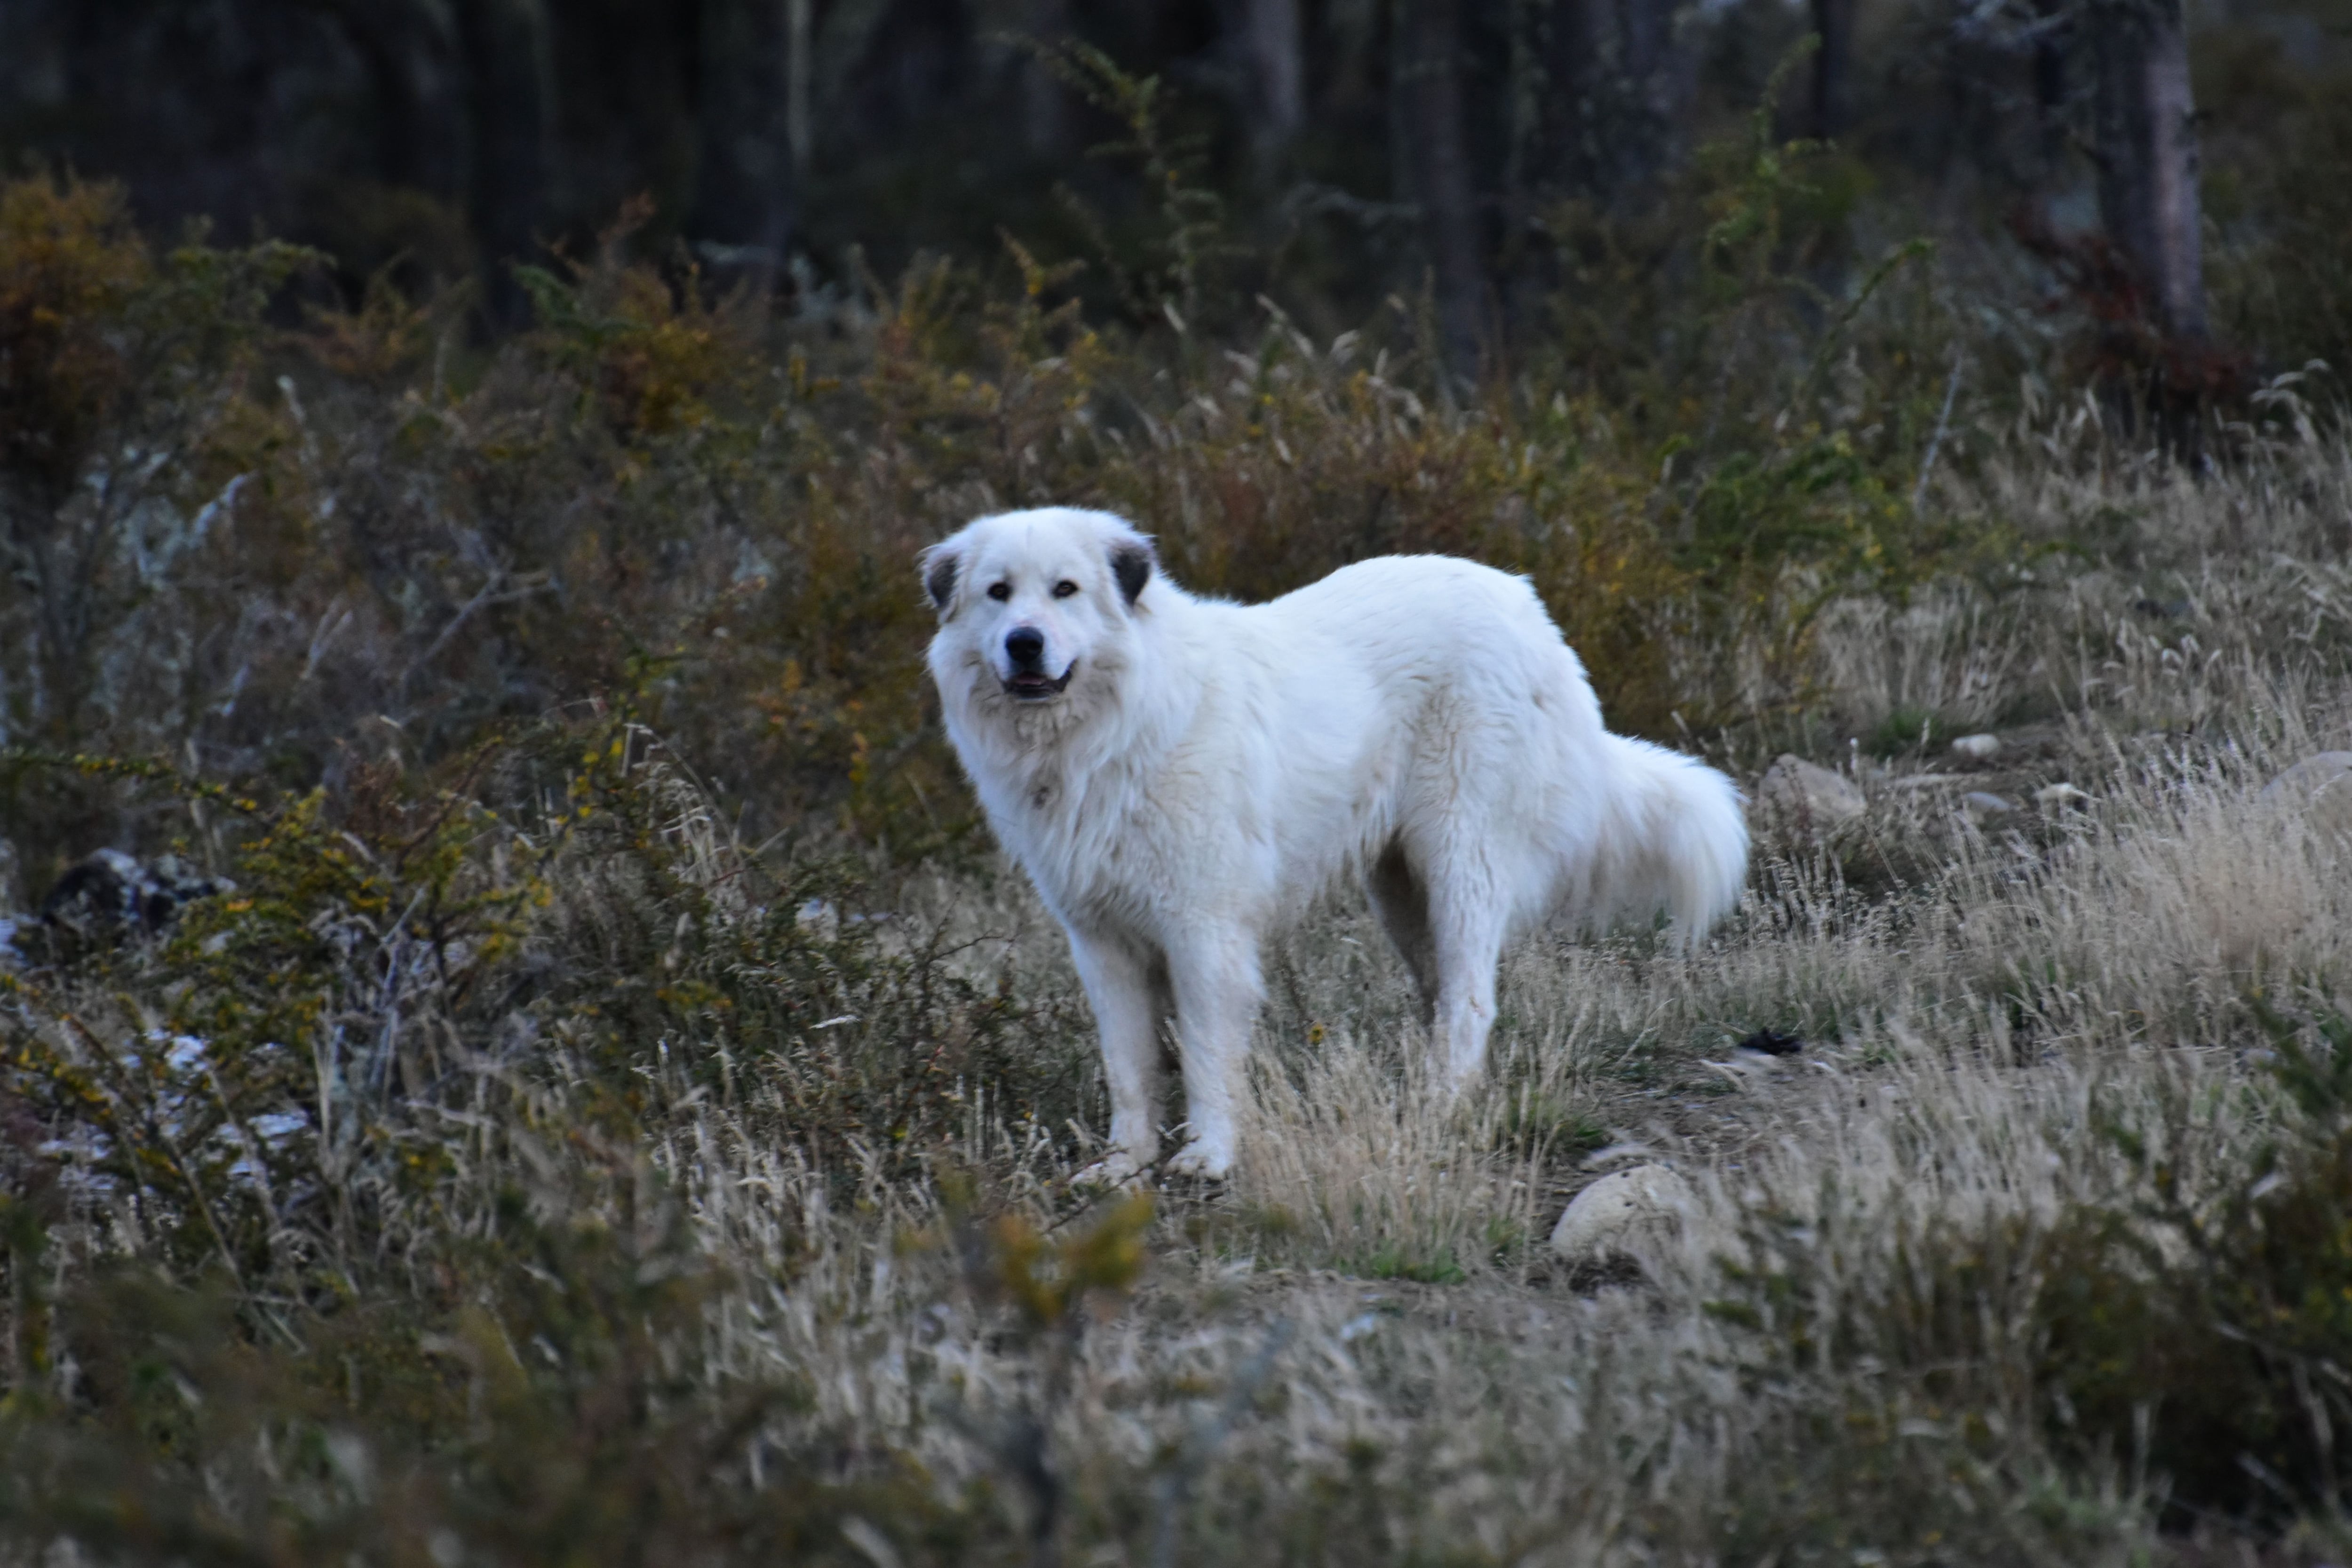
point(488, 596)
point(1943, 423)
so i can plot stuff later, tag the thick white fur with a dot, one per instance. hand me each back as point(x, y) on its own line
point(1210, 766)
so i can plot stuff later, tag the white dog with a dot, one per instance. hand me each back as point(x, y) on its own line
point(1180, 776)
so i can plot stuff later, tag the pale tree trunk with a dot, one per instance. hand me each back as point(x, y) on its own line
point(1273, 57)
point(744, 209)
point(1833, 68)
point(1435, 143)
point(2148, 159)
point(800, 81)
point(2147, 167)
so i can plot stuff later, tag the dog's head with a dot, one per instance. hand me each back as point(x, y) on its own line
point(1034, 603)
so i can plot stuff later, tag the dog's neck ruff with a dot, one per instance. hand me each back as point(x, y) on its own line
point(1061, 742)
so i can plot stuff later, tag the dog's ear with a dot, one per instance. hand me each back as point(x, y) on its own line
point(1131, 563)
point(940, 564)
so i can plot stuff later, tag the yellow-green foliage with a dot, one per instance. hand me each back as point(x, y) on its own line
point(379, 1109)
point(71, 265)
point(283, 541)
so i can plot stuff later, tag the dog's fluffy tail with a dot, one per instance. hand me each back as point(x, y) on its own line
point(1682, 839)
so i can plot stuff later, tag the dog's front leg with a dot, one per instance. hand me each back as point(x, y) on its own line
point(1119, 987)
point(1215, 976)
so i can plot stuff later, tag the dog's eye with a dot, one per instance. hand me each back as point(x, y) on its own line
point(1000, 590)
point(1065, 588)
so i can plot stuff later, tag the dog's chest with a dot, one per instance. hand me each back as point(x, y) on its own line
point(1091, 839)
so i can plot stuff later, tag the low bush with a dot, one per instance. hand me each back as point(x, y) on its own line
point(2186, 1336)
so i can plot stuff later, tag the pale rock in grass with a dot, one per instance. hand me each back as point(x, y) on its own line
point(1976, 748)
point(1620, 1207)
point(1983, 806)
point(2057, 796)
point(1796, 788)
point(2320, 787)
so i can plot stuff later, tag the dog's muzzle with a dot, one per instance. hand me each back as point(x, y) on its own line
point(1035, 686)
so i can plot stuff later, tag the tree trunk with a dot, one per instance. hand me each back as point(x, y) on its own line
point(2147, 158)
point(1663, 75)
point(1272, 52)
point(799, 81)
point(1618, 83)
point(742, 212)
point(2052, 90)
point(2146, 144)
point(1833, 68)
point(1427, 82)
point(386, 39)
point(509, 111)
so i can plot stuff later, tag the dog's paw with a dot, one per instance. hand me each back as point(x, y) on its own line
point(1118, 1169)
point(1201, 1162)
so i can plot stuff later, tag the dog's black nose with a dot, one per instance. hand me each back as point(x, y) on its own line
point(1026, 644)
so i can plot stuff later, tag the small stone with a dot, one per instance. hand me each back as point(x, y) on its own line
point(1799, 789)
point(2319, 786)
point(1983, 806)
point(1976, 748)
point(1619, 1207)
point(2052, 797)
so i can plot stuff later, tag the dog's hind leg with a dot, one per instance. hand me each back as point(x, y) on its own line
point(1120, 988)
point(1219, 990)
point(1404, 906)
point(1469, 919)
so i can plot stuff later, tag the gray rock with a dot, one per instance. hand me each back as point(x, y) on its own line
point(1621, 1207)
point(2320, 787)
point(1796, 788)
point(1976, 748)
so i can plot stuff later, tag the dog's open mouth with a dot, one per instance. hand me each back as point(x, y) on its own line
point(1031, 685)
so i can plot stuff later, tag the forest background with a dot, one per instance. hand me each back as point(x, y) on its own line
point(565, 1075)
